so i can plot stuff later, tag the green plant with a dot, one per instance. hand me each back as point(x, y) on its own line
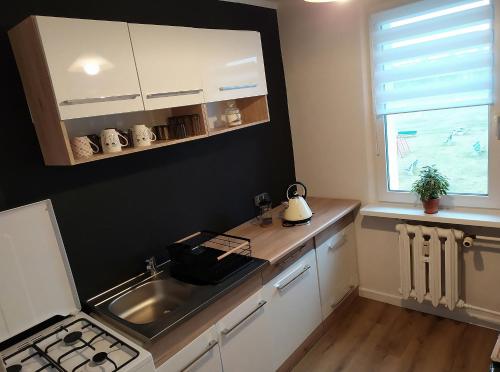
point(431, 184)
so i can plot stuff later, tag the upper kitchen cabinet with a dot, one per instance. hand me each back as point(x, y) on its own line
point(91, 66)
point(83, 77)
point(168, 64)
point(233, 65)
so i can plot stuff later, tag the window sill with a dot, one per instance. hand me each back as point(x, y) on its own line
point(456, 216)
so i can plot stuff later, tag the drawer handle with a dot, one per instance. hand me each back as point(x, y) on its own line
point(227, 331)
point(304, 269)
point(210, 346)
point(174, 94)
point(81, 101)
point(342, 241)
point(236, 87)
point(351, 288)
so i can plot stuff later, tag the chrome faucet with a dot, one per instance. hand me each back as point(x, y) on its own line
point(151, 266)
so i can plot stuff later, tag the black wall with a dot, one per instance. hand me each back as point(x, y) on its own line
point(114, 213)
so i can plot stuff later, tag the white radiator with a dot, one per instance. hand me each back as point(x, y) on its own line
point(429, 263)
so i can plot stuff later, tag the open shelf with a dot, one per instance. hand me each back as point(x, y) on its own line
point(132, 150)
point(93, 126)
point(254, 111)
point(55, 139)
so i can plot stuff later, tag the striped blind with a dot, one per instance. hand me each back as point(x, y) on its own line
point(433, 54)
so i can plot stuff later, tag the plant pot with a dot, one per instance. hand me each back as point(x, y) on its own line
point(431, 206)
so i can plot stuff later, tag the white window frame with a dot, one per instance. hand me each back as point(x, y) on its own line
point(492, 200)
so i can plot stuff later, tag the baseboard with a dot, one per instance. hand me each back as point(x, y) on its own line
point(480, 317)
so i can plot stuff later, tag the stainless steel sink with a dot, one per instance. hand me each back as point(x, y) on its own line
point(151, 301)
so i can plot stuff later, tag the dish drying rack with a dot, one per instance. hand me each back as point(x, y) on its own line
point(228, 243)
point(208, 257)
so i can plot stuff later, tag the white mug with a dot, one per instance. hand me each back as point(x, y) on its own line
point(83, 147)
point(142, 135)
point(110, 140)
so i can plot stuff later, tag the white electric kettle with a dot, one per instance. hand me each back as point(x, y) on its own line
point(297, 212)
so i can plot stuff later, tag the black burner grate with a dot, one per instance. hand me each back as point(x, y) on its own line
point(74, 338)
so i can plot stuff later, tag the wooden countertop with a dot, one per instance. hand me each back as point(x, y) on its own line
point(274, 242)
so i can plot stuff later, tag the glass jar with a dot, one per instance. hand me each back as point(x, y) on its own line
point(232, 114)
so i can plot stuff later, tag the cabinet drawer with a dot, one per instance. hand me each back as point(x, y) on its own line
point(294, 306)
point(273, 270)
point(330, 231)
point(243, 335)
point(337, 268)
point(201, 355)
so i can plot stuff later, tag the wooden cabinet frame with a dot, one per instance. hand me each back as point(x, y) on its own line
point(54, 134)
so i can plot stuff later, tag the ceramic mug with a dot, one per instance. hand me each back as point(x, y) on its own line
point(142, 135)
point(83, 147)
point(110, 140)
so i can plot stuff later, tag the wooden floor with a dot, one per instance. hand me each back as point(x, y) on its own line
point(373, 336)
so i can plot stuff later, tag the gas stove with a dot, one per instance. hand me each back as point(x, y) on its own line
point(36, 285)
point(77, 344)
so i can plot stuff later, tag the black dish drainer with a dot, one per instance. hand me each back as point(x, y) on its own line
point(208, 257)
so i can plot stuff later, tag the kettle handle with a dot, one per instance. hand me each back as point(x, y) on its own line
point(296, 184)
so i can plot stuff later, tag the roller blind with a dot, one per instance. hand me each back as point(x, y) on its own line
point(432, 54)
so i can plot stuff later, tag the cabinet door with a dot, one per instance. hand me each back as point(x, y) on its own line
point(244, 334)
point(168, 64)
point(201, 355)
point(233, 65)
point(337, 268)
point(294, 306)
point(91, 66)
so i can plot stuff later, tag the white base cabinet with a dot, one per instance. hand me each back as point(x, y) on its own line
point(337, 268)
point(244, 336)
point(201, 355)
point(268, 327)
point(294, 307)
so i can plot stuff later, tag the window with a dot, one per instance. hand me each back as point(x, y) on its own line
point(432, 66)
point(454, 140)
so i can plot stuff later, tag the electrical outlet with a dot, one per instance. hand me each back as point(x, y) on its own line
point(264, 197)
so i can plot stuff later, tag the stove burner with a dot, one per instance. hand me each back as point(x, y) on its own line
point(99, 358)
point(14, 368)
point(72, 338)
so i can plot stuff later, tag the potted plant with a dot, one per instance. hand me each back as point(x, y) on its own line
point(430, 186)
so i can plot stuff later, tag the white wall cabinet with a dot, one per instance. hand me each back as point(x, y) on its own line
point(201, 355)
point(294, 306)
point(168, 64)
point(91, 66)
point(337, 268)
point(244, 336)
point(82, 72)
point(233, 65)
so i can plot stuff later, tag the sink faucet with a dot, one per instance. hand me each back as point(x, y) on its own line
point(151, 266)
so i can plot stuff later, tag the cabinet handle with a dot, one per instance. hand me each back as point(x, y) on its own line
point(227, 331)
point(334, 305)
point(342, 241)
point(304, 269)
point(173, 94)
point(236, 87)
point(210, 346)
point(80, 101)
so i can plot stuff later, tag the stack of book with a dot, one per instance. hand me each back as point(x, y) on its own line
point(179, 127)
